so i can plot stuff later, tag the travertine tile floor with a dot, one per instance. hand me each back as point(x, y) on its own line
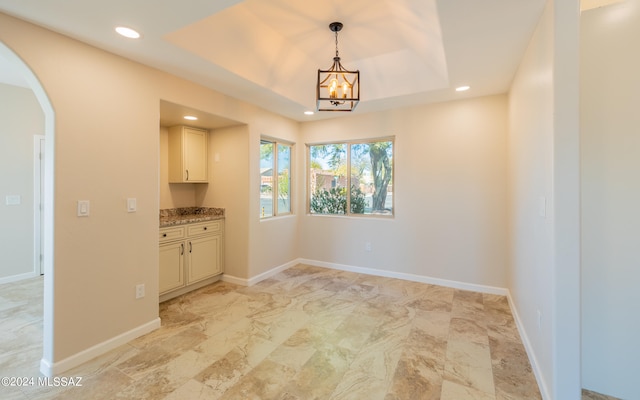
point(306, 333)
point(588, 395)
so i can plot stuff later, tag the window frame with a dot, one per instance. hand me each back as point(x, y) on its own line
point(349, 143)
point(274, 193)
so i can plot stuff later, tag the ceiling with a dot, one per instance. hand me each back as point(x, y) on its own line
point(173, 114)
point(267, 52)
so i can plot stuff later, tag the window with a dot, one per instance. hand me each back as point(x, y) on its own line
point(275, 178)
point(366, 167)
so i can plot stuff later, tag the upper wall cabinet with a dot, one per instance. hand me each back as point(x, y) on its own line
point(187, 155)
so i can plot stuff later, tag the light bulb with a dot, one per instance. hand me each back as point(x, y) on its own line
point(333, 88)
point(345, 88)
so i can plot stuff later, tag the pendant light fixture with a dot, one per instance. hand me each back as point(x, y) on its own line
point(338, 89)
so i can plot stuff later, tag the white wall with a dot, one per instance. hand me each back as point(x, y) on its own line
point(450, 194)
point(566, 203)
point(20, 119)
point(530, 181)
point(610, 95)
point(543, 271)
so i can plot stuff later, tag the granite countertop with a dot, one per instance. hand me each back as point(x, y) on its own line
point(188, 215)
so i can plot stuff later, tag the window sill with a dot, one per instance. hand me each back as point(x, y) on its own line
point(277, 218)
point(354, 216)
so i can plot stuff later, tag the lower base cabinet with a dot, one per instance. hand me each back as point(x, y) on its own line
point(204, 258)
point(190, 254)
point(171, 266)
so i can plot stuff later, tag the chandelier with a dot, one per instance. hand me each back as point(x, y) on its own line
point(338, 89)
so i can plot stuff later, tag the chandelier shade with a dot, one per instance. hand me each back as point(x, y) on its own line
point(337, 89)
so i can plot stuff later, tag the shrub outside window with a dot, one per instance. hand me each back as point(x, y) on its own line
point(366, 167)
point(275, 178)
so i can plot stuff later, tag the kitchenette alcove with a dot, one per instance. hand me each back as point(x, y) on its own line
point(192, 216)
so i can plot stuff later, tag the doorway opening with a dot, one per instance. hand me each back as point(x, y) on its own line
point(46, 216)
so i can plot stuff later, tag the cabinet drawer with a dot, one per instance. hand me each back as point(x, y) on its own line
point(205, 227)
point(167, 234)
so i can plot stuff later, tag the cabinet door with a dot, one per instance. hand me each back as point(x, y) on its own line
point(195, 155)
point(205, 257)
point(171, 266)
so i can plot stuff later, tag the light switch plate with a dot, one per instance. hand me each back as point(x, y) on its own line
point(140, 291)
point(542, 206)
point(13, 200)
point(131, 205)
point(83, 208)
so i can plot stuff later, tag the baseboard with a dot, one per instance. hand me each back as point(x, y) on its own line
point(52, 369)
point(408, 277)
point(368, 271)
point(235, 280)
point(261, 277)
point(542, 384)
point(19, 277)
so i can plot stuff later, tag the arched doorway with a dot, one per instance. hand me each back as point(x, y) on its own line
point(48, 200)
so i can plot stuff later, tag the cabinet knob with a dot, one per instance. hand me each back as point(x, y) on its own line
point(164, 235)
point(205, 228)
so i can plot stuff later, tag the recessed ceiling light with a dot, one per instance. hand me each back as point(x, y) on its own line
point(127, 32)
point(308, 113)
point(190, 117)
point(463, 88)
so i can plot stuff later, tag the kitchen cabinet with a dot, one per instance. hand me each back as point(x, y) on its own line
point(204, 257)
point(171, 266)
point(188, 161)
point(190, 255)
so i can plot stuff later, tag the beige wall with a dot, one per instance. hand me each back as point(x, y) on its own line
point(272, 242)
point(20, 119)
point(107, 149)
point(229, 189)
point(610, 199)
point(450, 194)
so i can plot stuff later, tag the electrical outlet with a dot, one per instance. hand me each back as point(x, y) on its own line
point(539, 320)
point(140, 291)
point(367, 246)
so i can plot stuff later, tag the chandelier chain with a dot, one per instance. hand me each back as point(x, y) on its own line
point(337, 44)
